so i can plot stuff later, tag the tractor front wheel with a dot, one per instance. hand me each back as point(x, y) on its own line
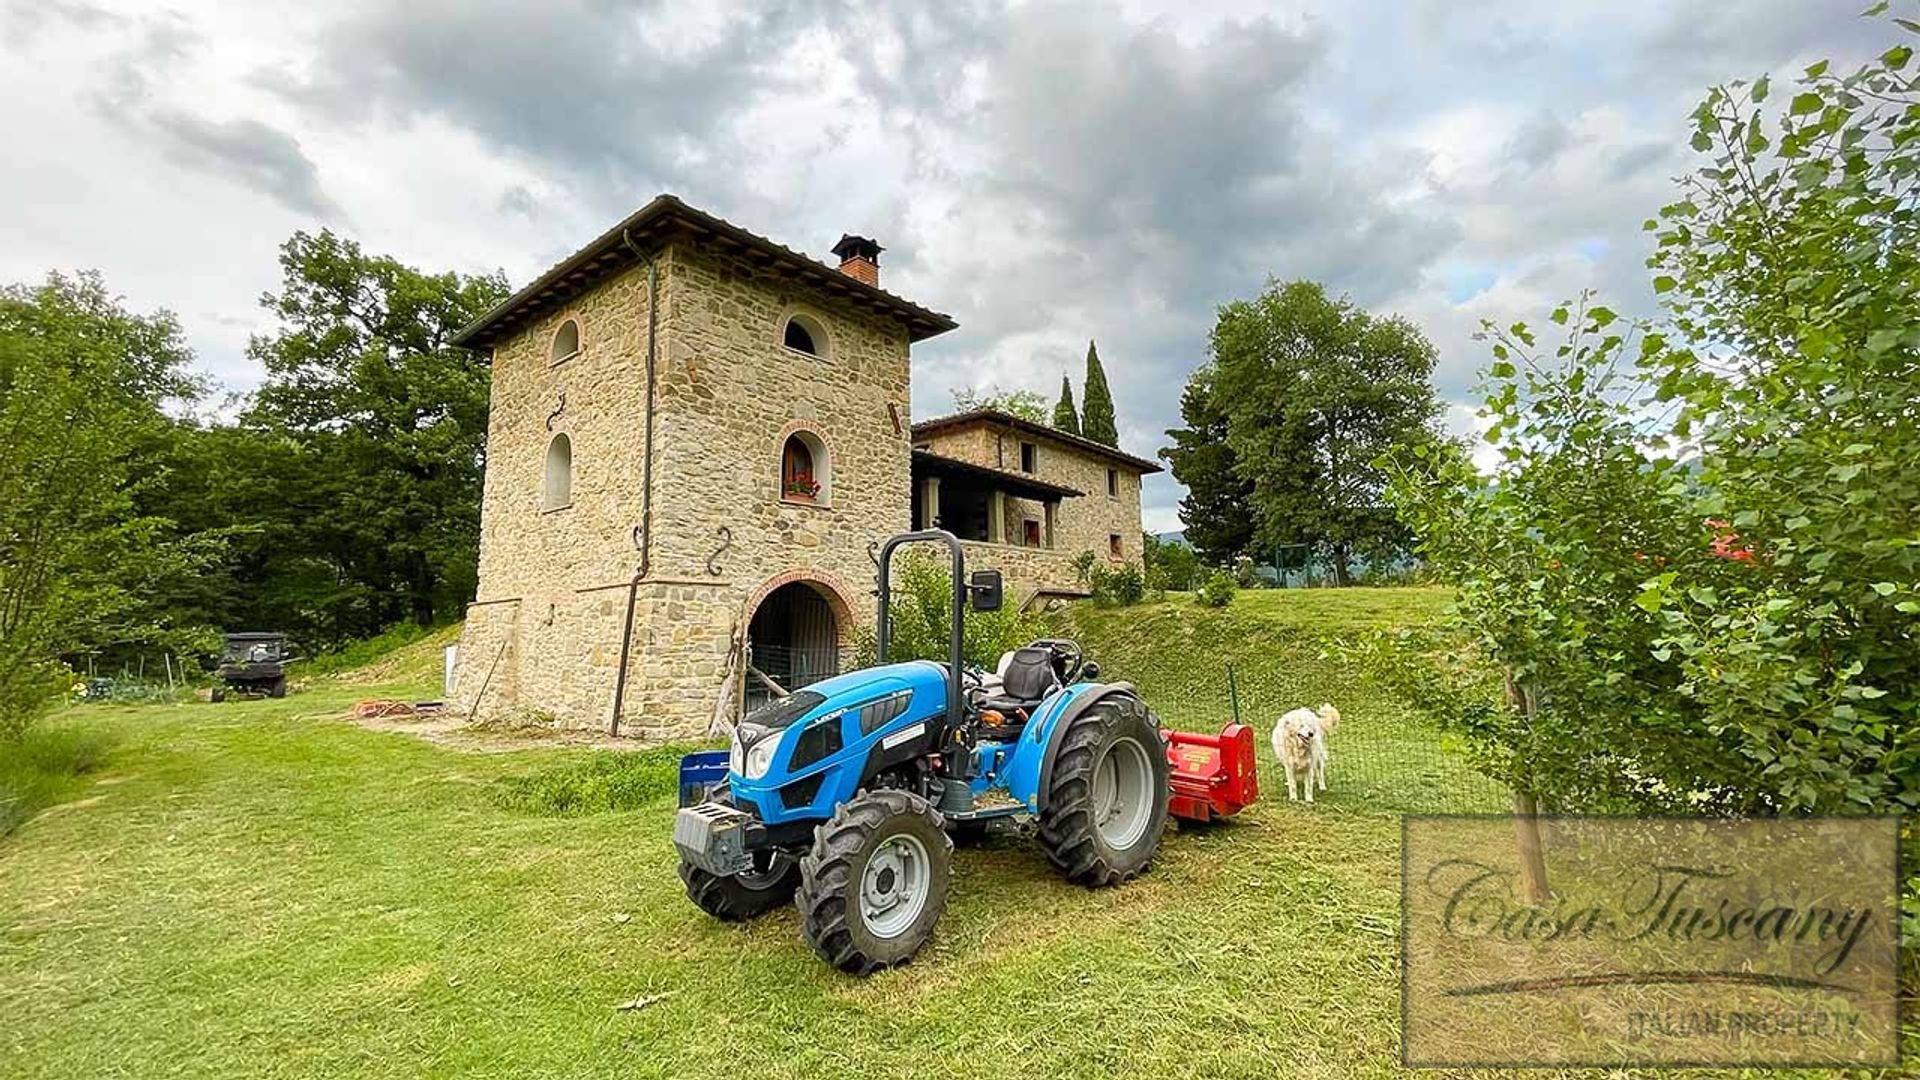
point(739, 897)
point(1107, 799)
point(875, 882)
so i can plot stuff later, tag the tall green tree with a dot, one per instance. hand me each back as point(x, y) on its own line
point(1696, 558)
point(1315, 391)
point(386, 424)
point(82, 383)
point(1064, 416)
point(1218, 508)
point(1096, 408)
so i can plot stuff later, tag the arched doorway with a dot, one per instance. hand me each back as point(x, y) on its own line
point(793, 640)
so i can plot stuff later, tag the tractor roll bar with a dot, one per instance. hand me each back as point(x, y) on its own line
point(956, 655)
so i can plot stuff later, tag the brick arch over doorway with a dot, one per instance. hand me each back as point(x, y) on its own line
point(799, 625)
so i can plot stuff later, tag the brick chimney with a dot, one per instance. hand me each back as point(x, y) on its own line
point(859, 258)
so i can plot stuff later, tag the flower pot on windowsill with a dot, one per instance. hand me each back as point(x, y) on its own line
point(800, 490)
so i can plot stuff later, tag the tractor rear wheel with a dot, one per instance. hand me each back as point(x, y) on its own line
point(739, 897)
point(1107, 798)
point(875, 882)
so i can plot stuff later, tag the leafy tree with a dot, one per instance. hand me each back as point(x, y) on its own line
point(82, 382)
point(1096, 411)
point(1173, 565)
point(1064, 416)
point(1025, 404)
point(384, 424)
point(1218, 509)
point(1695, 563)
point(1315, 390)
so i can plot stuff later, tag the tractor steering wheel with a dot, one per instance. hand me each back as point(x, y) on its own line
point(1068, 659)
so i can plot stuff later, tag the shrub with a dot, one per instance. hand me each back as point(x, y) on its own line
point(1244, 574)
point(1216, 588)
point(1083, 567)
point(1121, 586)
point(921, 612)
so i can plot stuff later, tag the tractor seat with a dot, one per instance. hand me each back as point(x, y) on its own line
point(1026, 677)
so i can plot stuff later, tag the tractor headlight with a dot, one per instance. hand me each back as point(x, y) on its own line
point(760, 757)
point(752, 752)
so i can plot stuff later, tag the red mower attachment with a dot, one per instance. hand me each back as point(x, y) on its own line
point(1213, 775)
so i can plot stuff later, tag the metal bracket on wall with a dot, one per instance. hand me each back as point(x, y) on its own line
point(557, 410)
point(639, 537)
point(726, 544)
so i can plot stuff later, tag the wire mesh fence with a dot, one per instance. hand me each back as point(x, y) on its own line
point(1382, 755)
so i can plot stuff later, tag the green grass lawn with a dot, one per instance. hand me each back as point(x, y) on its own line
point(263, 889)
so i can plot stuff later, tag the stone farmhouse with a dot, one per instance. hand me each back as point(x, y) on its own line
point(697, 440)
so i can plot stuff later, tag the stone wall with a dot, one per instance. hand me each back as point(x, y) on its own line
point(544, 636)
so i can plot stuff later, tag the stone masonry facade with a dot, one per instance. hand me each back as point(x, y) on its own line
point(1089, 522)
point(544, 639)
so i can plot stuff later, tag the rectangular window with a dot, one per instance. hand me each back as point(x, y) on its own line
point(1113, 483)
point(1033, 533)
point(1028, 454)
point(1113, 544)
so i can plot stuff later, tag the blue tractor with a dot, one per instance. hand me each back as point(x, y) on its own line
point(846, 796)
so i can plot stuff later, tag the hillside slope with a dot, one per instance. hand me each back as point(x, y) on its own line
point(1286, 648)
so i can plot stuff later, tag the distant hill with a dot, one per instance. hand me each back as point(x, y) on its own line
point(1177, 536)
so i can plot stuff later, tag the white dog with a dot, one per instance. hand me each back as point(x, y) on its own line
point(1300, 742)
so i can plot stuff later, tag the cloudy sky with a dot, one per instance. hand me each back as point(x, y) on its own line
point(1046, 173)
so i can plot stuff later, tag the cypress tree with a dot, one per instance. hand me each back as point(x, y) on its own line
point(1096, 409)
point(1064, 417)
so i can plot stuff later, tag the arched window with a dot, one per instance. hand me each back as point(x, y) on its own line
point(566, 342)
point(804, 333)
point(557, 491)
point(804, 469)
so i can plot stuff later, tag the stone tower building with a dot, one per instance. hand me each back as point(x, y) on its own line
point(696, 437)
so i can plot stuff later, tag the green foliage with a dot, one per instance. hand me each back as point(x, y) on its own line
point(605, 781)
point(1696, 559)
point(922, 615)
point(1119, 585)
point(1218, 508)
point(1314, 391)
point(360, 458)
point(82, 382)
point(1082, 567)
point(1215, 588)
point(1064, 416)
point(1176, 564)
point(1096, 407)
point(1025, 404)
point(46, 765)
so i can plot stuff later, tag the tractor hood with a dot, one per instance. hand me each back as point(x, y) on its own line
point(853, 688)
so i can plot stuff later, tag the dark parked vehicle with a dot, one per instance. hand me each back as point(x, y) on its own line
point(253, 664)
